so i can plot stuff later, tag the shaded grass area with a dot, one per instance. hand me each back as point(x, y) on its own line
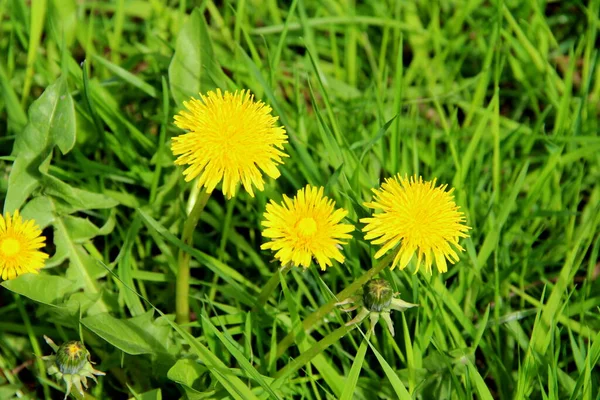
point(499, 100)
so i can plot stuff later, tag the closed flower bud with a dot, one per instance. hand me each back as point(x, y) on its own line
point(71, 357)
point(376, 301)
point(72, 364)
point(377, 295)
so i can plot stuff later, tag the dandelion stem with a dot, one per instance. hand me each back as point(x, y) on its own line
point(313, 320)
point(182, 302)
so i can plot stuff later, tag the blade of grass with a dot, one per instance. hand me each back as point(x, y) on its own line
point(396, 383)
point(227, 273)
point(13, 107)
point(234, 386)
point(38, 17)
point(352, 378)
point(228, 342)
point(126, 76)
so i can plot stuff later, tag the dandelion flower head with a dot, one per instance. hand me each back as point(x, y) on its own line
point(20, 241)
point(231, 138)
point(305, 227)
point(417, 217)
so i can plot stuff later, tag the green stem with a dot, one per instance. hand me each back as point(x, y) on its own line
point(182, 302)
point(313, 320)
point(271, 285)
point(35, 345)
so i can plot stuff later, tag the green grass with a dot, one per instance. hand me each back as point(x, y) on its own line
point(499, 100)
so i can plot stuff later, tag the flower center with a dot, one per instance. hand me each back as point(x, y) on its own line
point(73, 350)
point(9, 247)
point(307, 226)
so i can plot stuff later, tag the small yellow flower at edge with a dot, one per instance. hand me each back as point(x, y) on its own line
point(417, 217)
point(306, 227)
point(19, 244)
point(231, 138)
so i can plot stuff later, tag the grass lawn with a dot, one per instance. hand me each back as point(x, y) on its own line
point(168, 287)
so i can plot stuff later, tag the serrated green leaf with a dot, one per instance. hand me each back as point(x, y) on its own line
point(72, 199)
point(41, 210)
point(83, 269)
point(155, 394)
point(187, 372)
point(138, 335)
point(43, 288)
point(51, 123)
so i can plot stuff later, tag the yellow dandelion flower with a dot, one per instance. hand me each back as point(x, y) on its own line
point(304, 227)
point(19, 244)
point(231, 138)
point(420, 218)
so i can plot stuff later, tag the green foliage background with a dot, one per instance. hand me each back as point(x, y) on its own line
point(498, 99)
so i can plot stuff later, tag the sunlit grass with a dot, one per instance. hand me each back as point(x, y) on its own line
point(499, 101)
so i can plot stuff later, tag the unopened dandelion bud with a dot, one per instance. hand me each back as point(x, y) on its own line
point(377, 295)
point(72, 364)
point(377, 301)
point(71, 357)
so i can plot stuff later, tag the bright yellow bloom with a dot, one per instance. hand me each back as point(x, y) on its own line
point(19, 244)
point(305, 227)
point(231, 138)
point(420, 218)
